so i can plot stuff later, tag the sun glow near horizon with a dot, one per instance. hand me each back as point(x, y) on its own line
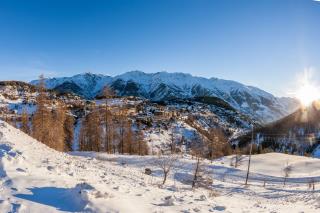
point(308, 91)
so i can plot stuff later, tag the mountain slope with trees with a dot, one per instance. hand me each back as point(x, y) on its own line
point(163, 86)
point(297, 133)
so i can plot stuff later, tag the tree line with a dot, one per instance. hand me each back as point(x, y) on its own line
point(51, 123)
point(111, 131)
point(102, 129)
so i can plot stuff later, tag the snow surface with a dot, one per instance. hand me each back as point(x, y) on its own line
point(35, 178)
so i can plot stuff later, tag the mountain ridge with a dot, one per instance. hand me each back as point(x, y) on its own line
point(162, 86)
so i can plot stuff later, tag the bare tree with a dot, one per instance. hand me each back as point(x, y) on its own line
point(91, 131)
point(173, 139)
point(57, 128)
point(25, 122)
point(69, 132)
point(238, 158)
point(197, 151)
point(108, 92)
point(217, 143)
point(141, 145)
point(128, 138)
point(196, 171)
point(108, 120)
point(109, 134)
point(286, 172)
point(167, 164)
point(121, 121)
point(42, 118)
point(311, 184)
point(249, 161)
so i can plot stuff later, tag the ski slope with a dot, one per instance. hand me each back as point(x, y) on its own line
point(35, 178)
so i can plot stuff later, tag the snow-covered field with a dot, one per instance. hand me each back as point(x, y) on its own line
point(35, 178)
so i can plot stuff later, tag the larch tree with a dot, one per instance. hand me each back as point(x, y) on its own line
point(141, 145)
point(57, 132)
point(25, 122)
point(109, 135)
point(69, 132)
point(41, 119)
point(108, 120)
point(216, 143)
point(83, 136)
point(173, 139)
point(128, 138)
point(121, 118)
point(91, 131)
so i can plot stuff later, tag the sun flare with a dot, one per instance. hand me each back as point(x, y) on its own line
point(307, 92)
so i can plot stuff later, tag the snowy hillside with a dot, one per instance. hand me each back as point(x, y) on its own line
point(86, 85)
point(166, 86)
point(35, 178)
point(297, 133)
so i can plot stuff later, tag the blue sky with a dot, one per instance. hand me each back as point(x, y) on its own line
point(263, 43)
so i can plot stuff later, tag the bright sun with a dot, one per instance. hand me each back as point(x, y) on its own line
point(307, 92)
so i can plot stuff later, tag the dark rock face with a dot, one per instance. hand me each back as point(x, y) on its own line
point(70, 87)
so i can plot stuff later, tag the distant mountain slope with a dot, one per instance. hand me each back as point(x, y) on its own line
point(164, 86)
point(297, 133)
point(86, 85)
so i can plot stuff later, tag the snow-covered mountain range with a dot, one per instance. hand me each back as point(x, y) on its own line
point(162, 86)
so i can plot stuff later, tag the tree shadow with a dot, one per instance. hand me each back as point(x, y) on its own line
point(63, 199)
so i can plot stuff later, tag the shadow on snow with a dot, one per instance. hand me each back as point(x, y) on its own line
point(63, 199)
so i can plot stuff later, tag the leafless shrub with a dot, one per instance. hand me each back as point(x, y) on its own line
point(237, 160)
point(311, 184)
point(286, 172)
point(166, 163)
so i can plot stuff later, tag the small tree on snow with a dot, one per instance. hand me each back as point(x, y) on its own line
point(166, 163)
point(286, 172)
point(197, 151)
point(197, 171)
point(238, 159)
point(202, 176)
